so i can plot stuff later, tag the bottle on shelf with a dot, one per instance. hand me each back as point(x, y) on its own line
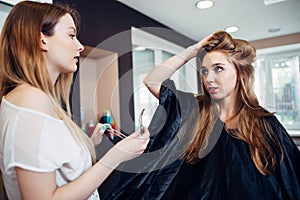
point(83, 119)
point(91, 127)
point(106, 118)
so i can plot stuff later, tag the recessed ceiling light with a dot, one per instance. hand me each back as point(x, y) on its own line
point(204, 4)
point(270, 2)
point(232, 29)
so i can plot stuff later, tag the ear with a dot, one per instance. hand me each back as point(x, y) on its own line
point(43, 42)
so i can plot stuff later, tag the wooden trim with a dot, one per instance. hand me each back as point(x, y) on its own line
point(277, 41)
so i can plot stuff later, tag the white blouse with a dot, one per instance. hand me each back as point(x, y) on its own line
point(38, 142)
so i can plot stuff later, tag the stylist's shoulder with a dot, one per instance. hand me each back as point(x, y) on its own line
point(33, 98)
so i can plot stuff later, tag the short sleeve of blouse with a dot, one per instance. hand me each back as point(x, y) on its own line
point(39, 143)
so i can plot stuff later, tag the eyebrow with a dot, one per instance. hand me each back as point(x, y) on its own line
point(214, 65)
point(74, 29)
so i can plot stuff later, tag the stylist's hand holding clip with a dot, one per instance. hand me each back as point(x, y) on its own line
point(133, 145)
point(97, 134)
point(130, 147)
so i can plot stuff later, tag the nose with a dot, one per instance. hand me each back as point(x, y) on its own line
point(210, 77)
point(80, 47)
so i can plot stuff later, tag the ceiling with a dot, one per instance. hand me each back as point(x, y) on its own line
point(253, 17)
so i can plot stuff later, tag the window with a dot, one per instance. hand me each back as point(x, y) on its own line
point(4, 10)
point(6, 6)
point(143, 62)
point(149, 51)
point(278, 84)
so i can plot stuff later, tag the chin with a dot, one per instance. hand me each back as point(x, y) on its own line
point(70, 70)
point(216, 98)
point(73, 69)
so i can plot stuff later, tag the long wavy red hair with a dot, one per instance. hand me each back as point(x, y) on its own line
point(252, 127)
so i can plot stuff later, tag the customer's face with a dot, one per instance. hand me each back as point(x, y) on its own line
point(219, 76)
point(62, 49)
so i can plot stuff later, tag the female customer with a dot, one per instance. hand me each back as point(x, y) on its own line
point(43, 154)
point(236, 148)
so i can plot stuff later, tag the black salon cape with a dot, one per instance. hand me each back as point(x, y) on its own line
point(226, 172)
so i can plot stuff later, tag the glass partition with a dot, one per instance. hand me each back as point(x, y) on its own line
point(149, 51)
point(4, 10)
point(278, 84)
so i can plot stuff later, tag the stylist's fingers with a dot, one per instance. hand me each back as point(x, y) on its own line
point(143, 138)
point(97, 128)
point(98, 133)
point(137, 134)
point(146, 138)
point(136, 142)
point(146, 133)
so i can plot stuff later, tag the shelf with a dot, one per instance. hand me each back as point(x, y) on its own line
point(99, 88)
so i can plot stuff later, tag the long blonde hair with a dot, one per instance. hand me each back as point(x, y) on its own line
point(253, 127)
point(22, 62)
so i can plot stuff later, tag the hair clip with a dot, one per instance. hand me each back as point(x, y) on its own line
point(110, 133)
point(141, 127)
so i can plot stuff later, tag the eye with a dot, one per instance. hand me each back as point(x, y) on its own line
point(203, 72)
point(72, 36)
point(218, 69)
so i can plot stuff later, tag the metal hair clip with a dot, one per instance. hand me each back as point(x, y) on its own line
point(141, 127)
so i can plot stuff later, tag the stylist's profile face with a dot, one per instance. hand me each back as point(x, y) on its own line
point(63, 48)
point(219, 75)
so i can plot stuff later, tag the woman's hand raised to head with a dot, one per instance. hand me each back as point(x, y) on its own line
point(165, 70)
point(192, 51)
point(203, 42)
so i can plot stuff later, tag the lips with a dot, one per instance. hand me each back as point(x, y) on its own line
point(211, 89)
point(77, 58)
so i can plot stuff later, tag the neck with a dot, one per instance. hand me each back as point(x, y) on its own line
point(52, 73)
point(228, 112)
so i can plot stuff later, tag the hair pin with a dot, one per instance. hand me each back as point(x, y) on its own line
point(141, 127)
